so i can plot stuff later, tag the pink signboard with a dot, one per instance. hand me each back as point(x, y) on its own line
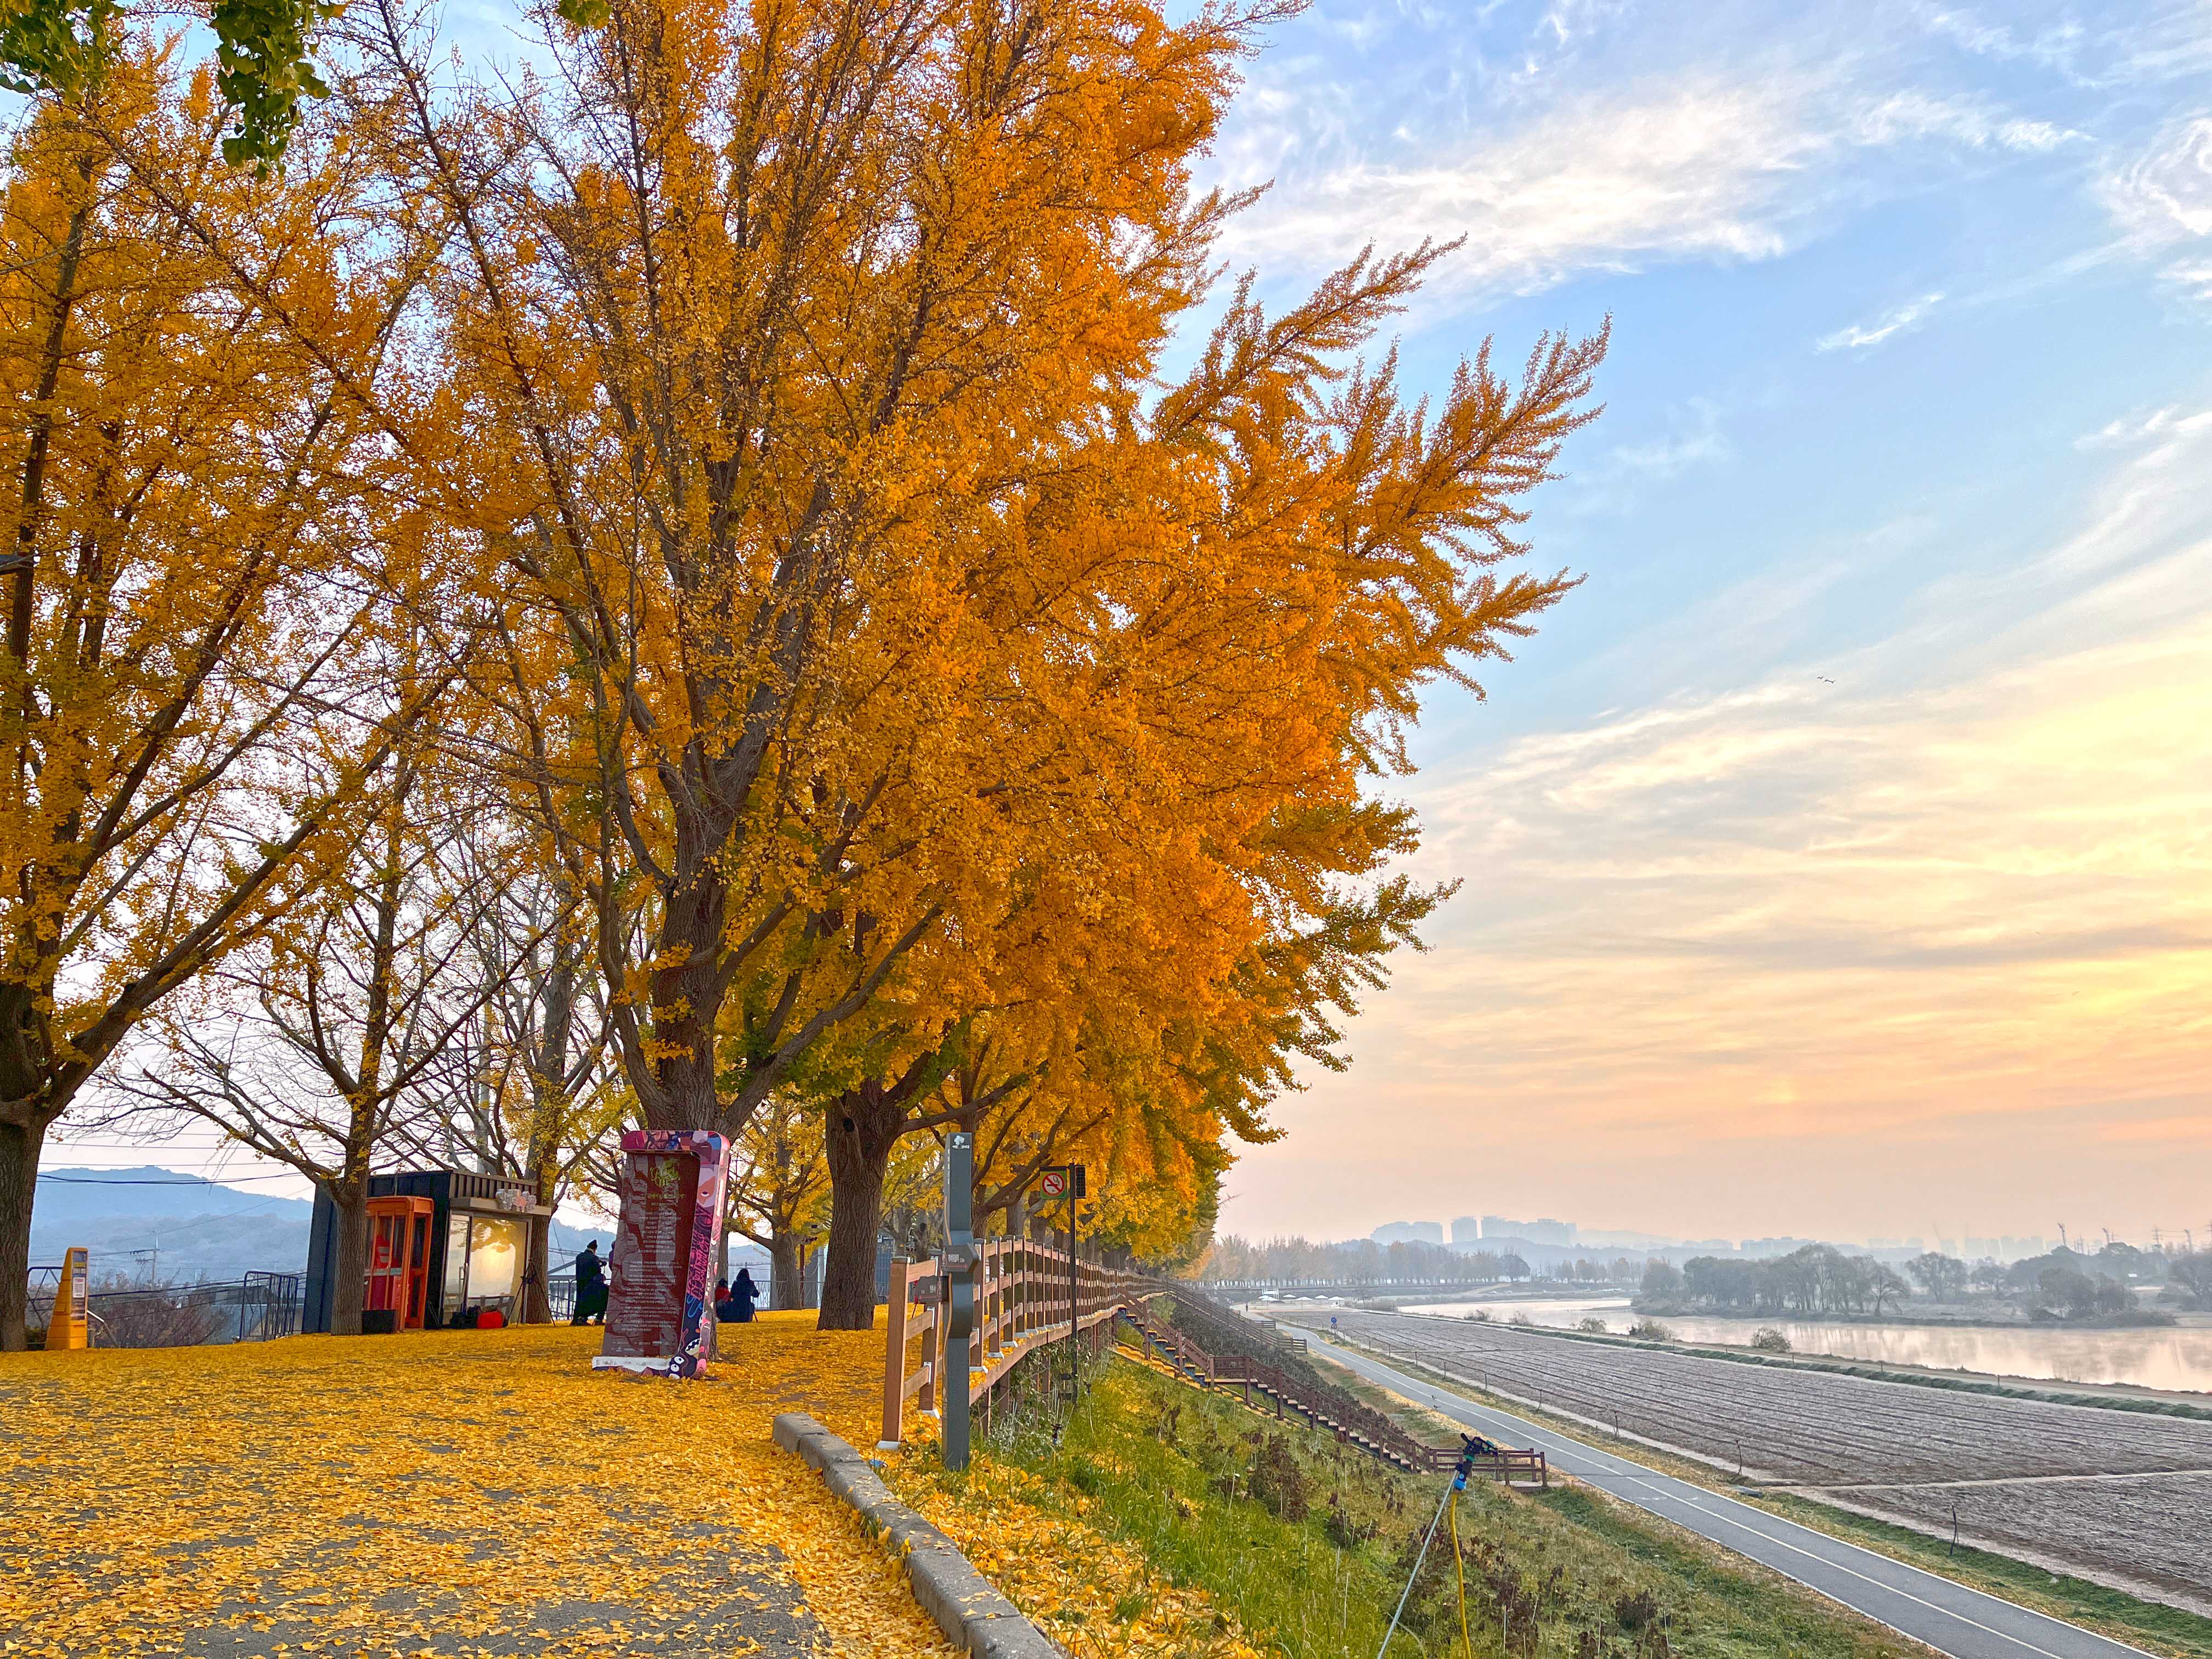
point(660, 1311)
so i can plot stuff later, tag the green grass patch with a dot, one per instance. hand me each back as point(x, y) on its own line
point(1309, 1543)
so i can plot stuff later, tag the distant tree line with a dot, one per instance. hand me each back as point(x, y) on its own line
point(1282, 1259)
point(2190, 1276)
point(1820, 1278)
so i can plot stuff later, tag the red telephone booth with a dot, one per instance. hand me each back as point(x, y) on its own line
point(399, 1263)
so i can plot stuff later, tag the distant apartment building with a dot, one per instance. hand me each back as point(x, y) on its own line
point(1546, 1232)
point(1466, 1230)
point(1409, 1232)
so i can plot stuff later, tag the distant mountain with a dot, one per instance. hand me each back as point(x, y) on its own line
point(187, 1229)
point(71, 1195)
point(148, 1220)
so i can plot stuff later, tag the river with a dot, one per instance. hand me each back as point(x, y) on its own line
point(2165, 1357)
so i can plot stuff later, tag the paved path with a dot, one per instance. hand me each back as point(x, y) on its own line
point(1947, 1617)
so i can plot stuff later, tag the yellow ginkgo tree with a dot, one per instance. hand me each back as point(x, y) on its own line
point(193, 555)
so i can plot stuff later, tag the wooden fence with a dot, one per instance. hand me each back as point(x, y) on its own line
point(1272, 1390)
point(1022, 1303)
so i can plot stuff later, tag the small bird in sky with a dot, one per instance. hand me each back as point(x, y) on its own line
point(1824, 680)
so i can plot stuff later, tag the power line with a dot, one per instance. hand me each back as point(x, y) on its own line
point(205, 1221)
point(228, 1180)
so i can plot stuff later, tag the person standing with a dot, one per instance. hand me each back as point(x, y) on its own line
point(591, 1287)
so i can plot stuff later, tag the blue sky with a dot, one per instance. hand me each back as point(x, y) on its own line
point(1839, 857)
point(1836, 857)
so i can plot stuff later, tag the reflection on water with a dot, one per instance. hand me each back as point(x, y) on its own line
point(2164, 1358)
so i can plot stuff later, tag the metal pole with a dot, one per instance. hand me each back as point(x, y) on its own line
point(1074, 1373)
point(1416, 1573)
point(960, 1299)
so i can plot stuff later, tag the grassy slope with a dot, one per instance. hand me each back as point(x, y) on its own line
point(2148, 1624)
point(1145, 1460)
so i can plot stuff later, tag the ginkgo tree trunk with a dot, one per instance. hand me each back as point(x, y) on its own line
point(778, 1199)
point(188, 563)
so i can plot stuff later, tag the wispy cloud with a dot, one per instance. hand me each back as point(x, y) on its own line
point(2159, 426)
point(2180, 1131)
point(1972, 121)
point(1858, 336)
point(2055, 47)
point(1669, 458)
point(1693, 440)
point(2161, 40)
point(2164, 194)
point(1730, 170)
point(2162, 202)
point(1697, 173)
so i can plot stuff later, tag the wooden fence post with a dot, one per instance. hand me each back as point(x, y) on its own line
point(895, 1359)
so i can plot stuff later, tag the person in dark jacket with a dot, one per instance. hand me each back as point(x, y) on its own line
point(591, 1287)
point(742, 1295)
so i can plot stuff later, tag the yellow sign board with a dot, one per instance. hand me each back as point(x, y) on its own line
point(70, 1325)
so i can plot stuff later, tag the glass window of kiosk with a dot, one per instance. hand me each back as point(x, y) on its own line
point(484, 1264)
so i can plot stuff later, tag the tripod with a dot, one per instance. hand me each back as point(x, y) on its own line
point(1468, 1450)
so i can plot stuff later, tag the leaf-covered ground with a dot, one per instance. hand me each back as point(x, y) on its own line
point(447, 1493)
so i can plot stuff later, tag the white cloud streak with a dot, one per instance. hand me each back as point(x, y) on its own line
point(2159, 426)
point(1726, 170)
point(2164, 194)
point(2161, 201)
point(1859, 336)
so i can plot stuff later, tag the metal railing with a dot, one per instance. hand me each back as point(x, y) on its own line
point(39, 1305)
point(1272, 1390)
point(253, 1309)
point(1026, 1297)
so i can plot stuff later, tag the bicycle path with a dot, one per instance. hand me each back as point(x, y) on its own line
point(1946, 1616)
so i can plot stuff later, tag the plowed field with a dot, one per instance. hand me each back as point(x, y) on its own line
point(1802, 1426)
point(2151, 1526)
point(1895, 1447)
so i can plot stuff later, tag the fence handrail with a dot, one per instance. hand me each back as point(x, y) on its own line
point(273, 1297)
point(1023, 1301)
point(1352, 1420)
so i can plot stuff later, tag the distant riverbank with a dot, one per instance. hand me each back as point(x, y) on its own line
point(2175, 1359)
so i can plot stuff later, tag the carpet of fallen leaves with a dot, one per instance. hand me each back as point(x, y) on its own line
point(458, 1493)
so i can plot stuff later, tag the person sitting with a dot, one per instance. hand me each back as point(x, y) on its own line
point(726, 1311)
point(742, 1295)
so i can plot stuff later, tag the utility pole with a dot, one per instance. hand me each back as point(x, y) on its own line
point(1070, 1182)
point(959, 1257)
point(1074, 1355)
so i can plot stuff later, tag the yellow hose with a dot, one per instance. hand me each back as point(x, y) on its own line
point(1459, 1566)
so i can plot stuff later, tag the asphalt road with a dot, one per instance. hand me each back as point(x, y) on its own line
point(1946, 1616)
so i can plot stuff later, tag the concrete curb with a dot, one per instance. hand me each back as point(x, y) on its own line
point(966, 1607)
